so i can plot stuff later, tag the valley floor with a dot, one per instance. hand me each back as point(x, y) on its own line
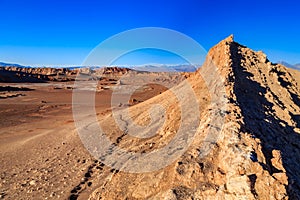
point(41, 154)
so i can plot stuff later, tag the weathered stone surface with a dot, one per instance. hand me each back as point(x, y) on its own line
point(255, 156)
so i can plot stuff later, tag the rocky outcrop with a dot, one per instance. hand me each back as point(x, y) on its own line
point(29, 74)
point(255, 153)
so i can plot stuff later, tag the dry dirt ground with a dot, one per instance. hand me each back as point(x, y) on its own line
point(42, 156)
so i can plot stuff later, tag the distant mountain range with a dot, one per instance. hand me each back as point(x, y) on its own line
point(165, 68)
point(149, 68)
point(296, 66)
point(2, 64)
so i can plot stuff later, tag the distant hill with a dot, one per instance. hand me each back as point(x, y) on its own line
point(148, 68)
point(166, 68)
point(2, 64)
point(296, 66)
point(16, 74)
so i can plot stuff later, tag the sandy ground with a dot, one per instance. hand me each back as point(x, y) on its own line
point(41, 154)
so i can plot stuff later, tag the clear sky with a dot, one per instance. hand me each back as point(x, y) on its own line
point(45, 32)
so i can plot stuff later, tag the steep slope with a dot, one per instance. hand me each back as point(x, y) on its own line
point(247, 148)
point(268, 98)
point(260, 147)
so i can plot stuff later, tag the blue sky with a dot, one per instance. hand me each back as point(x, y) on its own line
point(64, 32)
point(150, 56)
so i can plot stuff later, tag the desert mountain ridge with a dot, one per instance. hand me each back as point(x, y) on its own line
point(17, 73)
point(253, 154)
point(32, 74)
point(46, 72)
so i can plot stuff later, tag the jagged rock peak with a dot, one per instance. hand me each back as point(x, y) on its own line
point(229, 39)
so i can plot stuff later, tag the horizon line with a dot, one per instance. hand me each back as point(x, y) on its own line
point(117, 65)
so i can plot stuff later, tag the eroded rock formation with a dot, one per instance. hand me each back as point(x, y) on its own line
point(256, 152)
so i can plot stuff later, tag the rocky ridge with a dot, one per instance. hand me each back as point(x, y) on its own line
point(30, 74)
point(256, 151)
